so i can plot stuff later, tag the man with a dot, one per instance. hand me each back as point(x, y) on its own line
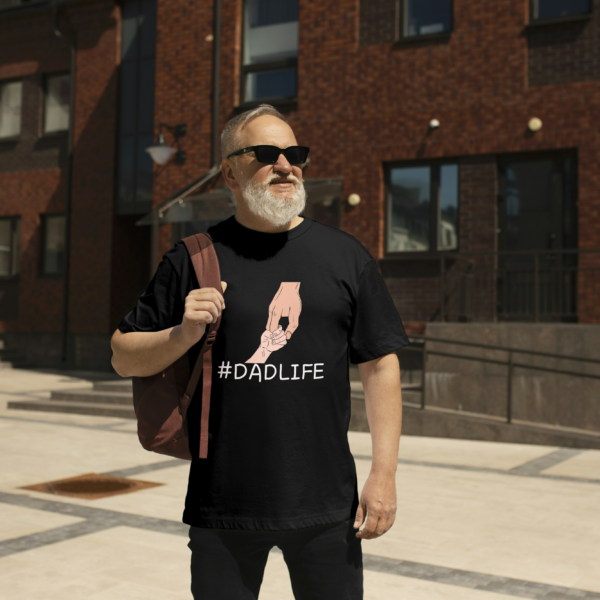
point(299, 298)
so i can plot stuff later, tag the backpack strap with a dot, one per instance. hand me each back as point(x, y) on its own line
point(206, 265)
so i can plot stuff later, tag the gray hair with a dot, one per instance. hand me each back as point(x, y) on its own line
point(229, 137)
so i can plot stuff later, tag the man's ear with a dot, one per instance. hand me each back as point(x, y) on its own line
point(229, 176)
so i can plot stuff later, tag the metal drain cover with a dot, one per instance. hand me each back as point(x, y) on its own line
point(91, 486)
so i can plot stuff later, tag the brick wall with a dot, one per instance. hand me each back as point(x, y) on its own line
point(32, 170)
point(565, 52)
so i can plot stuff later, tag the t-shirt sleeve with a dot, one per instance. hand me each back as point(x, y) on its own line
point(158, 307)
point(376, 328)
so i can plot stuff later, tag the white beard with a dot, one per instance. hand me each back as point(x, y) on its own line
point(275, 209)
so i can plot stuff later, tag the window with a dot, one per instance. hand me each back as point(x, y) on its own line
point(136, 106)
point(10, 230)
point(53, 253)
point(549, 9)
point(270, 50)
point(422, 208)
point(58, 96)
point(10, 109)
point(426, 17)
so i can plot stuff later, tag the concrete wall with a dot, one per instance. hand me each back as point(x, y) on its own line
point(537, 396)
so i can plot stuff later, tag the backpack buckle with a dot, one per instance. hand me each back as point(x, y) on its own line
point(210, 338)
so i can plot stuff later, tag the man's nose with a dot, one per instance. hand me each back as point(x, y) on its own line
point(282, 164)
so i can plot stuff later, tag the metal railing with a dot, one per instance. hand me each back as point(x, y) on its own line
point(523, 286)
point(509, 362)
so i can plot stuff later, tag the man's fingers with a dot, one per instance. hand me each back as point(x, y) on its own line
point(274, 316)
point(208, 294)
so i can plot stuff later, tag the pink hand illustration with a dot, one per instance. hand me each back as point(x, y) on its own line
point(269, 343)
point(286, 303)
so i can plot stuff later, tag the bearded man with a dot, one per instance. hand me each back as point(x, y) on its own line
point(303, 299)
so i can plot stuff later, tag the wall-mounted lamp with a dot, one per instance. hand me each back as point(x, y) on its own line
point(353, 199)
point(434, 124)
point(534, 124)
point(161, 153)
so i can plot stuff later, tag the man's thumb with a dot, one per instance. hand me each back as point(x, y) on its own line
point(359, 517)
point(223, 285)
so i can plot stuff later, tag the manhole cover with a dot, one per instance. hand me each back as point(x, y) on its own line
point(91, 486)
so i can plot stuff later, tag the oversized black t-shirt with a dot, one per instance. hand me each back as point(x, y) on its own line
point(278, 452)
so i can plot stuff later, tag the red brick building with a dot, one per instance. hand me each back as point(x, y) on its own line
point(428, 112)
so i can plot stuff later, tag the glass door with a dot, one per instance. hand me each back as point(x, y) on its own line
point(537, 222)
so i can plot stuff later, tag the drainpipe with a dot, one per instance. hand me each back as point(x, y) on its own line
point(65, 307)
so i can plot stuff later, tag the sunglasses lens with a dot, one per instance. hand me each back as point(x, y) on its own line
point(267, 154)
point(296, 155)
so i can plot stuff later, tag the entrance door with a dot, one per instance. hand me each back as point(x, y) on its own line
point(537, 212)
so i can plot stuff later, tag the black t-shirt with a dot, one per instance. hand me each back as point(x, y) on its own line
point(278, 452)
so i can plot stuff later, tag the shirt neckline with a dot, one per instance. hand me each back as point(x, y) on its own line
point(264, 235)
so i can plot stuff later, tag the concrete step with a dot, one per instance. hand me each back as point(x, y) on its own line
point(79, 408)
point(119, 385)
point(13, 364)
point(92, 396)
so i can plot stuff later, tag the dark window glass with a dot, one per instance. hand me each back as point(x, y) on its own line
point(146, 96)
point(147, 27)
point(10, 230)
point(144, 169)
point(136, 107)
point(126, 186)
point(547, 9)
point(58, 96)
point(271, 84)
point(423, 17)
point(129, 31)
point(408, 228)
point(270, 38)
point(423, 208)
point(10, 108)
point(448, 208)
point(53, 260)
point(128, 98)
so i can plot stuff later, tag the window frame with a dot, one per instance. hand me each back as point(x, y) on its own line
point(245, 70)
point(401, 37)
point(44, 220)
point(435, 178)
point(57, 132)
point(13, 138)
point(533, 20)
point(15, 230)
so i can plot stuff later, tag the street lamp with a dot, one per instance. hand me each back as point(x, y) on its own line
point(161, 152)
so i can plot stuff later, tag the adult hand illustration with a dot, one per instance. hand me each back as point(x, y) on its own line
point(269, 342)
point(286, 303)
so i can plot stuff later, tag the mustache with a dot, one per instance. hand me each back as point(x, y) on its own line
point(280, 178)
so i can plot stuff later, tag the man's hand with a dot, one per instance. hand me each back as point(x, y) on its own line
point(202, 307)
point(378, 504)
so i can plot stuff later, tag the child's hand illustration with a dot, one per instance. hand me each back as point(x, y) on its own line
point(269, 342)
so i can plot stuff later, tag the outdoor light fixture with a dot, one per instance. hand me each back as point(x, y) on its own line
point(353, 199)
point(434, 124)
point(161, 153)
point(534, 124)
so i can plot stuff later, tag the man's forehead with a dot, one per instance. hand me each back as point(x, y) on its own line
point(267, 129)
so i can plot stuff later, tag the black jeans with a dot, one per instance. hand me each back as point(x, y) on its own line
point(324, 562)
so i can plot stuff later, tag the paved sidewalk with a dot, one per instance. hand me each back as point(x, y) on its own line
point(475, 520)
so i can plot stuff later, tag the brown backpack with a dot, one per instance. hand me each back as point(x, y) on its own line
point(161, 401)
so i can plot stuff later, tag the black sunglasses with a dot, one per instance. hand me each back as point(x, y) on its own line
point(296, 155)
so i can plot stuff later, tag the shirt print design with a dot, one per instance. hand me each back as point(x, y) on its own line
point(285, 303)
